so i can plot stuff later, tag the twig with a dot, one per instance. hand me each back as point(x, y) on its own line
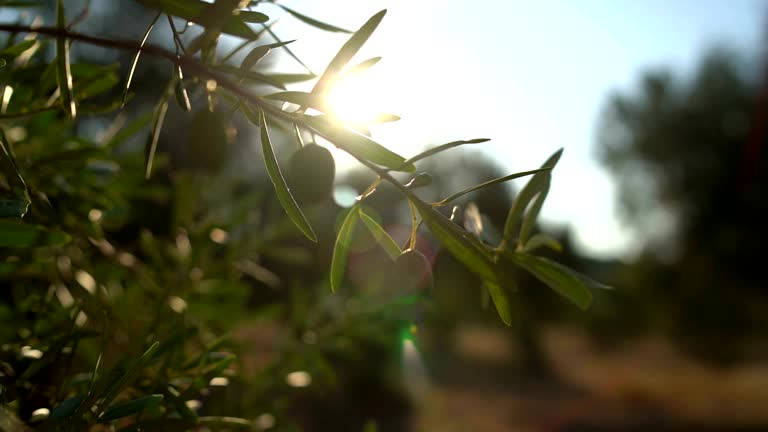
point(81, 16)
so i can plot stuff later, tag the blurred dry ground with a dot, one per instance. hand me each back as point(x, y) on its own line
point(644, 385)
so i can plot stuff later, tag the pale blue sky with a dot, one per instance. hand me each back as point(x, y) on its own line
point(532, 75)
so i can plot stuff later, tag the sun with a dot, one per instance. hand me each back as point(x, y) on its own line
point(355, 100)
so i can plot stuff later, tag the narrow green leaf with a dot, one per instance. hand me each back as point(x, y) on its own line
point(180, 404)
point(542, 240)
point(530, 217)
point(461, 244)
point(569, 284)
point(420, 180)
point(226, 422)
point(128, 408)
point(18, 234)
point(14, 51)
point(63, 71)
point(205, 14)
point(154, 136)
point(313, 22)
point(535, 186)
point(129, 130)
point(386, 118)
point(119, 379)
point(381, 236)
point(357, 145)
point(67, 407)
point(251, 114)
point(274, 36)
point(299, 98)
point(258, 52)
point(136, 57)
point(341, 248)
point(285, 78)
point(281, 187)
point(345, 54)
point(17, 204)
point(434, 150)
point(361, 67)
point(500, 300)
point(253, 17)
point(182, 98)
point(247, 76)
point(488, 183)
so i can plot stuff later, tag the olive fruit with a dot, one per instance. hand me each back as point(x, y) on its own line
point(411, 272)
point(311, 173)
point(208, 149)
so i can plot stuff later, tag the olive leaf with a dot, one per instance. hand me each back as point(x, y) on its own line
point(63, 70)
point(341, 247)
point(281, 187)
point(381, 236)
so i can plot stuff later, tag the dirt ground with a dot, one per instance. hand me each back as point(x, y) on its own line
point(646, 385)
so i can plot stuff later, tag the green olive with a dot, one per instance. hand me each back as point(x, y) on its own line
point(311, 173)
point(208, 149)
point(412, 272)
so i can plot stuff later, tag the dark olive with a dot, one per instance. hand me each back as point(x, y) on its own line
point(311, 173)
point(208, 148)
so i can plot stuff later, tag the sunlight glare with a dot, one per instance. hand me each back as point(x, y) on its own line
point(354, 100)
point(414, 370)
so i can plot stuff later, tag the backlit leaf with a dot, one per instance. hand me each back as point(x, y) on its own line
point(313, 22)
point(461, 244)
point(488, 183)
point(345, 54)
point(443, 147)
point(341, 248)
point(14, 51)
point(253, 17)
point(258, 52)
point(63, 72)
point(357, 145)
point(421, 180)
point(182, 98)
point(568, 283)
point(381, 236)
point(200, 12)
point(154, 136)
point(542, 240)
point(500, 300)
point(299, 98)
point(281, 187)
point(135, 61)
point(535, 186)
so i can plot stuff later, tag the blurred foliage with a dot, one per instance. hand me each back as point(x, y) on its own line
point(689, 156)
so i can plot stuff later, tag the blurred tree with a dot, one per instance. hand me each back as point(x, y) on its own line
point(690, 161)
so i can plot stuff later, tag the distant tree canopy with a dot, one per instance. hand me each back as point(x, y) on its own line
point(695, 150)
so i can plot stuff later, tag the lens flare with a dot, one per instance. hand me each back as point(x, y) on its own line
point(414, 371)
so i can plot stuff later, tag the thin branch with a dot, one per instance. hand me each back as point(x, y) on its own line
point(176, 38)
point(81, 16)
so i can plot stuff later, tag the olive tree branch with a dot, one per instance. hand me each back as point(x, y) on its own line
point(201, 70)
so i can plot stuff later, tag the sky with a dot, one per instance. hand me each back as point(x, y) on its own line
point(532, 75)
